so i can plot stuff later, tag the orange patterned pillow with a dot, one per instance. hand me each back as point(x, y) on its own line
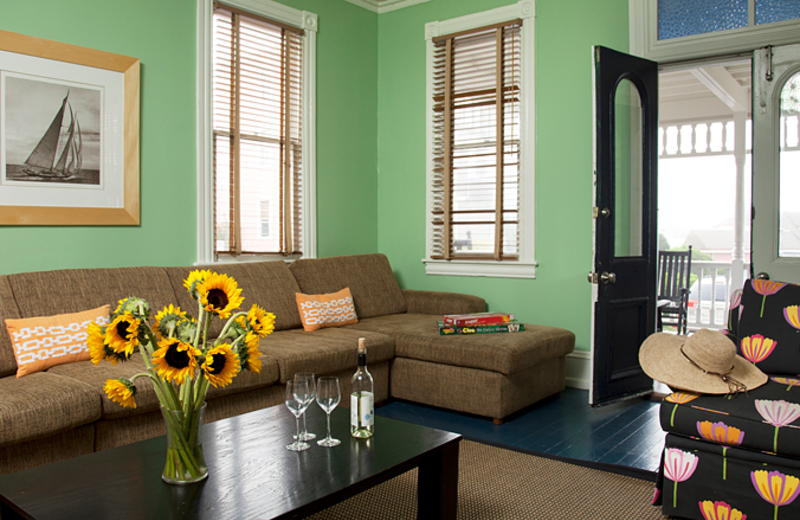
point(41, 343)
point(326, 310)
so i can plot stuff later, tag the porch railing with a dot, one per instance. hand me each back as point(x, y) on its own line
point(711, 294)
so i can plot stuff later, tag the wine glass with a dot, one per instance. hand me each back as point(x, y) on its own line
point(305, 435)
point(328, 396)
point(297, 401)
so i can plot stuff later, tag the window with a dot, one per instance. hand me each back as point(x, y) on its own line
point(265, 219)
point(480, 167)
point(256, 131)
point(670, 30)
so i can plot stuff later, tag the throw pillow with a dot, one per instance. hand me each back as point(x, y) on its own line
point(326, 310)
point(44, 342)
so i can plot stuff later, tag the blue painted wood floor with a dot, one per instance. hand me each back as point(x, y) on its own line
point(626, 433)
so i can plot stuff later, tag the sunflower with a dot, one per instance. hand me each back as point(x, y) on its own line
point(96, 342)
point(138, 307)
point(249, 354)
point(221, 365)
point(219, 294)
point(122, 336)
point(261, 321)
point(167, 320)
point(121, 391)
point(195, 277)
point(175, 360)
point(99, 349)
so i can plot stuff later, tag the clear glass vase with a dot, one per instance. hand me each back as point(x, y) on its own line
point(185, 461)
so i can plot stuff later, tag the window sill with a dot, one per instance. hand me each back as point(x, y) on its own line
point(244, 259)
point(480, 268)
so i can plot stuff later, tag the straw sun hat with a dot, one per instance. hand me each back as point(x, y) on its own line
point(705, 362)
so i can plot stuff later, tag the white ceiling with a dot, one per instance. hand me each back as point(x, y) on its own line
point(698, 93)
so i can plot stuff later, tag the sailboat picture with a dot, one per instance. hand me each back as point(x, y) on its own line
point(52, 132)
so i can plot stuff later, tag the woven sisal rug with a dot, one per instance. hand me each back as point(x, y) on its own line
point(496, 483)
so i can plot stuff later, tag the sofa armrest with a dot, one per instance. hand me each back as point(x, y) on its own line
point(436, 302)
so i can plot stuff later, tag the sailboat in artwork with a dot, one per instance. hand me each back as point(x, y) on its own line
point(45, 161)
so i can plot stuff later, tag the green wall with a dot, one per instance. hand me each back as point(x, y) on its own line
point(162, 35)
point(565, 31)
point(370, 142)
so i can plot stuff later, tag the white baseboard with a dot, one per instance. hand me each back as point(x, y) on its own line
point(579, 369)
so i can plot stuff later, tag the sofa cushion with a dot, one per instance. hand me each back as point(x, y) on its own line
point(42, 405)
point(765, 419)
point(369, 277)
point(768, 331)
point(323, 351)
point(41, 343)
point(95, 378)
point(146, 401)
point(417, 336)
point(269, 285)
point(8, 310)
point(46, 293)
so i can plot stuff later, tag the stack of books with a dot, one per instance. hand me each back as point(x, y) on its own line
point(480, 323)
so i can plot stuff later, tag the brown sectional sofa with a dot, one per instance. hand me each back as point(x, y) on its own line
point(63, 412)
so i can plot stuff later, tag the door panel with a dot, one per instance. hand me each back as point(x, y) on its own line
point(776, 163)
point(625, 237)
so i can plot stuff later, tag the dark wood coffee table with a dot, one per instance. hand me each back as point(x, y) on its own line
point(251, 473)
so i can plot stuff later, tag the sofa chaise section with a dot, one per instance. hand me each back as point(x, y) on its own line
point(492, 375)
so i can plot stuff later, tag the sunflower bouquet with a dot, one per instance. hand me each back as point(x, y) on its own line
point(181, 361)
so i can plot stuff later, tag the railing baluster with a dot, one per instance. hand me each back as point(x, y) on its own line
point(707, 272)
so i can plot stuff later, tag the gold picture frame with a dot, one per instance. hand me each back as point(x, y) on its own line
point(125, 210)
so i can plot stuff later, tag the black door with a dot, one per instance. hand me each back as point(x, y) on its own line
point(626, 158)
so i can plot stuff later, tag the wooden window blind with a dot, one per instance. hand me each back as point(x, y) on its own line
point(476, 148)
point(257, 128)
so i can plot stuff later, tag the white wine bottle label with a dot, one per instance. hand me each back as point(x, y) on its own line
point(363, 406)
point(367, 409)
point(354, 411)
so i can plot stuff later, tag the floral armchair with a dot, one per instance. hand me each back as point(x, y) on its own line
point(738, 457)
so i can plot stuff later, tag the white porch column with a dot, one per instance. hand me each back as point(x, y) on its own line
point(739, 153)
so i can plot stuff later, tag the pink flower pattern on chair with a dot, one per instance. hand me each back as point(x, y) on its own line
point(775, 487)
point(720, 511)
point(757, 348)
point(788, 381)
point(778, 414)
point(679, 398)
point(721, 433)
point(766, 288)
point(736, 300)
point(678, 466)
point(792, 315)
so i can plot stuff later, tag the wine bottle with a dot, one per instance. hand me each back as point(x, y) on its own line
point(362, 398)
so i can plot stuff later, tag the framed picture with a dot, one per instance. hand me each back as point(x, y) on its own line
point(69, 134)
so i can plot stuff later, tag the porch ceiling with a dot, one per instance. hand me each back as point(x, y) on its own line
point(697, 94)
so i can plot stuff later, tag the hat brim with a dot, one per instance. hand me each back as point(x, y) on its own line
point(661, 358)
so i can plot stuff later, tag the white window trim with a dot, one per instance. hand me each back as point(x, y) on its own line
point(525, 267)
point(644, 42)
point(205, 165)
point(385, 6)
